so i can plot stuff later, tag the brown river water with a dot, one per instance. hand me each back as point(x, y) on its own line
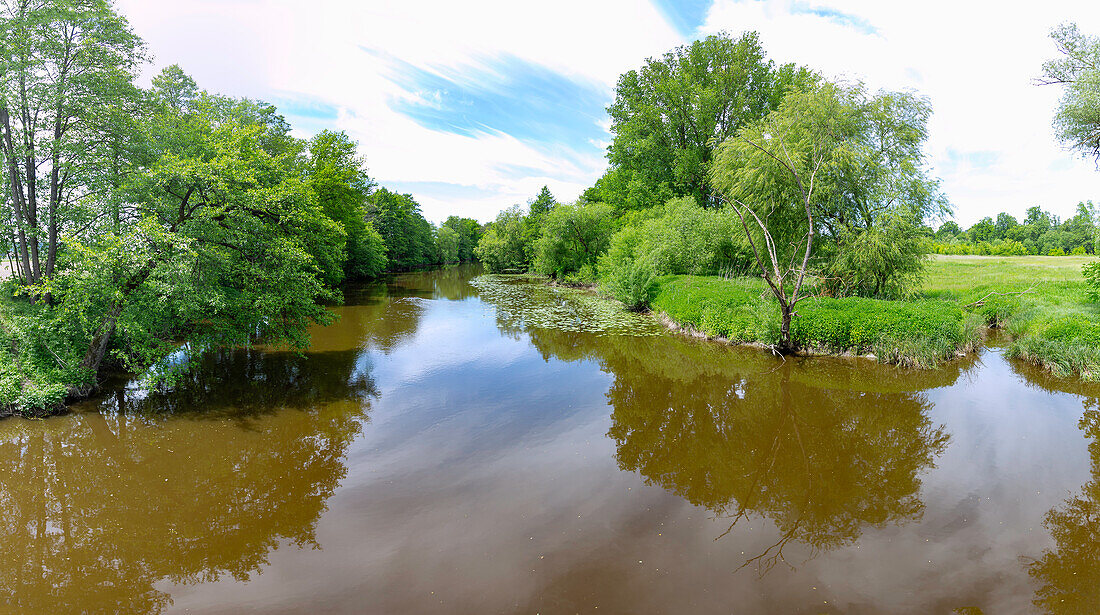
point(505, 447)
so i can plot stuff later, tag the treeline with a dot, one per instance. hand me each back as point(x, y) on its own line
point(723, 162)
point(1040, 232)
point(137, 219)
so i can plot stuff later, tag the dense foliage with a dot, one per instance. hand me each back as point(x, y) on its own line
point(1078, 71)
point(146, 226)
point(667, 115)
point(1039, 233)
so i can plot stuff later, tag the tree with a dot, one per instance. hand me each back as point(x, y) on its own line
point(222, 240)
point(446, 244)
point(771, 175)
point(503, 247)
point(468, 231)
point(66, 68)
point(983, 230)
point(667, 116)
point(409, 238)
point(573, 237)
point(1004, 223)
point(340, 183)
point(543, 203)
point(1077, 120)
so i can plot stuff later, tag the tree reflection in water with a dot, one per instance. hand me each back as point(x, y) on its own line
point(186, 487)
point(822, 448)
point(1069, 574)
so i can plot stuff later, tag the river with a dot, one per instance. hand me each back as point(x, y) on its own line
point(506, 447)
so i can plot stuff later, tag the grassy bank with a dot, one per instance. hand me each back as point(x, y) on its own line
point(911, 333)
point(1039, 301)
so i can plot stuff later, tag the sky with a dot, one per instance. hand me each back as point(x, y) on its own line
point(473, 106)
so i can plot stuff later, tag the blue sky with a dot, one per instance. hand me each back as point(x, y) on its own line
point(473, 106)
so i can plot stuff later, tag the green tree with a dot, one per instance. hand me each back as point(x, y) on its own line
point(409, 239)
point(543, 203)
point(1005, 222)
point(983, 230)
point(1077, 70)
point(573, 237)
point(338, 179)
point(667, 115)
point(223, 242)
point(504, 245)
point(468, 231)
point(66, 68)
point(446, 243)
point(769, 174)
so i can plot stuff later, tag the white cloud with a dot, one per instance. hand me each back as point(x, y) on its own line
point(975, 61)
point(315, 49)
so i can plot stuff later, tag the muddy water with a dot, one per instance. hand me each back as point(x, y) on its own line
point(502, 447)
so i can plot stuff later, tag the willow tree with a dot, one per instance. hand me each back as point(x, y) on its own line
point(1077, 120)
point(772, 175)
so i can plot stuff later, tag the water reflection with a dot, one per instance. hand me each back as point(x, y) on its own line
point(188, 486)
point(823, 449)
point(1069, 574)
point(821, 463)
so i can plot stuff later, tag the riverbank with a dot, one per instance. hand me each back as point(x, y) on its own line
point(1039, 302)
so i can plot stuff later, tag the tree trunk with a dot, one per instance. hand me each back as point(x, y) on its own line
point(785, 345)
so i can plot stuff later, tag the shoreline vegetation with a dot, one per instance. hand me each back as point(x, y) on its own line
point(1039, 303)
point(745, 199)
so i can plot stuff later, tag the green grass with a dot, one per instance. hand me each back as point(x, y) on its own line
point(914, 333)
point(1039, 301)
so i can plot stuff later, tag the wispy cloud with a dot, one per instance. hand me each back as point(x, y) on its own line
point(503, 95)
point(685, 15)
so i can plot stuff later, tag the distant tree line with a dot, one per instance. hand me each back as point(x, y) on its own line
point(1040, 232)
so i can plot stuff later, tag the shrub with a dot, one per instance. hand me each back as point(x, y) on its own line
point(679, 237)
point(1091, 272)
point(630, 281)
point(1056, 252)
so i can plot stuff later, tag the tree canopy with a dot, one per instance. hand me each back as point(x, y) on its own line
point(668, 114)
point(1077, 69)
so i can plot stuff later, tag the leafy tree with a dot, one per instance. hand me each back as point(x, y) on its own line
point(948, 230)
point(1077, 120)
point(573, 237)
point(337, 178)
point(503, 247)
point(667, 115)
point(223, 241)
point(468, 231)
point(1005, 222)
point(543, 203)
point(409, 238)
point(983, 230)
point(446, 244)
point(66, 69)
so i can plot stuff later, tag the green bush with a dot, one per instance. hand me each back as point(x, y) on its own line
point(1091, 272)
point(630, 281)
